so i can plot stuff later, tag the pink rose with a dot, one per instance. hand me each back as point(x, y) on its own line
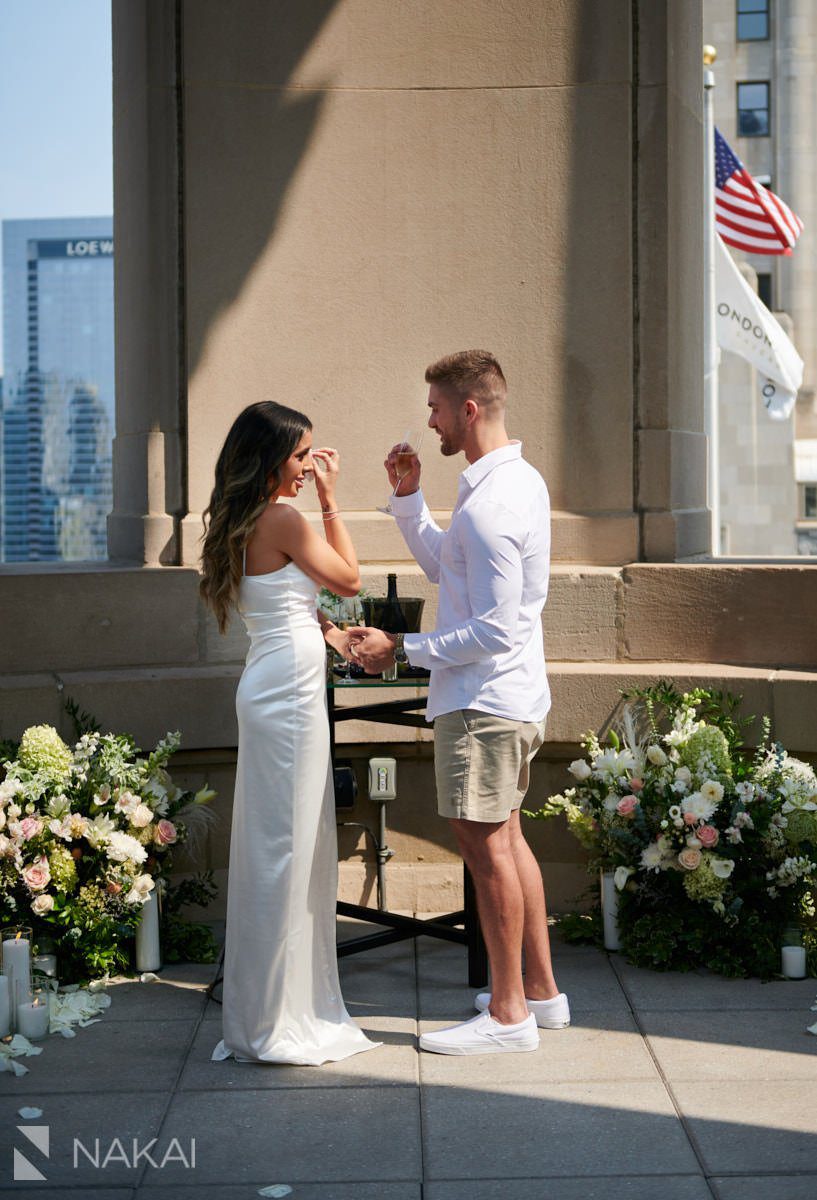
point(37, 875)
point(708, 836)
point(113, 888)
point(165, 833)
point(30, 827)
point(690, 859)
point(42, 904)
point(626, 806)
point(636, 785)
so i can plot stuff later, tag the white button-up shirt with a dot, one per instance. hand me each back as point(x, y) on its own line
point(493, 568)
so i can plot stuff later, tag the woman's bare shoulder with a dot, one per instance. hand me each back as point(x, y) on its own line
point(280, 516)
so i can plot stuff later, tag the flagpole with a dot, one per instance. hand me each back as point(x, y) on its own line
point(711, 352)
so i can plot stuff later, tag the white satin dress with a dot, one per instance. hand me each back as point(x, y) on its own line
point(281, 999)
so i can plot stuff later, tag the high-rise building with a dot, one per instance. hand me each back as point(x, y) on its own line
point(766, 108)
point(58, 394)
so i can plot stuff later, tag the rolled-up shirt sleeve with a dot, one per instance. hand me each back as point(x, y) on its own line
point(493, 544)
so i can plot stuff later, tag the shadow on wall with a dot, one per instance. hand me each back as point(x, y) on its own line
point(221, 178)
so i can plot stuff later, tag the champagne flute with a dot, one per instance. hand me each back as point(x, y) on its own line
point(407, 450)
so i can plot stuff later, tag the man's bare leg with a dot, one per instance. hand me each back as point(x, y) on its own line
point(488, 854)
point(539, 981)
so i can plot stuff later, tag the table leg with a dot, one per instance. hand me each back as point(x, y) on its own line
point(477, 954)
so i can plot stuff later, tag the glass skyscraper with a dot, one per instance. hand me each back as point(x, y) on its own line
point(58, 389)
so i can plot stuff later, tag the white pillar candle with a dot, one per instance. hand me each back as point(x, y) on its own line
point(794, 961)
point(46, 964)
point(148, 949)
point(17, 969)
point(5, 1006)
point(33, 1018)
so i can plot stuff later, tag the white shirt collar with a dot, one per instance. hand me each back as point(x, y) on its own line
point(476, 472)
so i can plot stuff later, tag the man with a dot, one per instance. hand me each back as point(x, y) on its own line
point(488, 694)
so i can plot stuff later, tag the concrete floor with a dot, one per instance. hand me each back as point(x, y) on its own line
point(678, 1087)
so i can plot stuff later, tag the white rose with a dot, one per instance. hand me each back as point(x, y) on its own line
point(580, 770)
point(683, 775)
point(141, 816)
point(712, 791)
point(4, 844)
point(42, 904)
point(2, 818)
point(722, 868)
point(656, 756)
point(142, 886)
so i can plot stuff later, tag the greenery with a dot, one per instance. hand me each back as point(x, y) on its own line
point(713, 847)
point(183, 940)
point(87, 832)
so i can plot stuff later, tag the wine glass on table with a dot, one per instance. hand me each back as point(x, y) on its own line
point(406, 452)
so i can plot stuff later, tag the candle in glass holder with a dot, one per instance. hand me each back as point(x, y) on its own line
point(17, 967)
point(45, 963)
point(793, 961)
point(5, 1006)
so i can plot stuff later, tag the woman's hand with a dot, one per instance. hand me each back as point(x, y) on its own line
point(327, 468)
point(340, 640)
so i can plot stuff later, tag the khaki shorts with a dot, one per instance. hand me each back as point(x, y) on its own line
point(482, 763)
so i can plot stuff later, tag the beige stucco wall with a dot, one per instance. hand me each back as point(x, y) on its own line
point(312, 202)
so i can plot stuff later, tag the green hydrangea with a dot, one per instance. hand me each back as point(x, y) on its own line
point(707, 751)
point(801, 827)
point(91, 899)
point(582, 827)
point(42, 749)
point(63, 868)
point(703, 883)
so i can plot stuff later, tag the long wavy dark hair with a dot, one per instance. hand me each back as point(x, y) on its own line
point(261, 439)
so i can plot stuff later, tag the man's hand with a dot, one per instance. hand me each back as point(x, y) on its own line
point(372, 648)
point(409, 481)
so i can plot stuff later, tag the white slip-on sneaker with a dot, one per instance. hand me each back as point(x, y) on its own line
point(549, 1014)
point(483, 1035)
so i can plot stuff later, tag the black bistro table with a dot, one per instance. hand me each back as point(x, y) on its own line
point(406, 710)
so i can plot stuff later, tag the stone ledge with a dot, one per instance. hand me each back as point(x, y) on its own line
point(201, 701)
point(120, 618)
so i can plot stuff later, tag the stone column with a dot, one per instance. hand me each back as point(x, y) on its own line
point(148, 466)
point(668, 268)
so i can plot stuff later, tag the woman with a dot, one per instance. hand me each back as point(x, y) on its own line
point(282, 1000)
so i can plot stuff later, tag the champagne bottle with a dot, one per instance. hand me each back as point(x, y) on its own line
point(394, 619)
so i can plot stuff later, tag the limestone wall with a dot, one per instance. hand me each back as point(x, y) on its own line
point(313, 201)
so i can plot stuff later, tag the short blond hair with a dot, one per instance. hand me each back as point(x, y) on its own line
point(470, 373)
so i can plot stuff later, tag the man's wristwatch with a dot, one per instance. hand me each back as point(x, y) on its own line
point(400, 655)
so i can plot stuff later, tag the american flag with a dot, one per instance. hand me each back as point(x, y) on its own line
point(747, 215)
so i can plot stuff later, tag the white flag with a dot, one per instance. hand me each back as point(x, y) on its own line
point(746, 327)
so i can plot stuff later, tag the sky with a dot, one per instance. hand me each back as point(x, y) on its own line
point(55, 109)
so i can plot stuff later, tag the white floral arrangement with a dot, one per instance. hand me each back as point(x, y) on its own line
point(678, 812)
point(86, 834)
